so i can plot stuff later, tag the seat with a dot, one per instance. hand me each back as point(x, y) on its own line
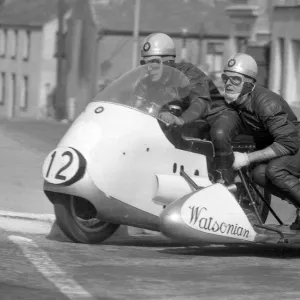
point(243, 143)
point(199, 146)
point(198, 129)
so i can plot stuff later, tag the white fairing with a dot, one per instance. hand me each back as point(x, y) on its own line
point(124, 150)
point(214, 210)
point(171, 187)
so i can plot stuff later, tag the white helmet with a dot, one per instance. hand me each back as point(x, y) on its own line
point(158, 44)
point(242, 63)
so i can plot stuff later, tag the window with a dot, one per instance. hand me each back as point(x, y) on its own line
point(13, 36)
point(24, 93)
point(25, 45)
point(3, 42)
point(239, 2)
point(13, 88)
point(241, 44)
point(242, 28)
point(215, 56)
point(2, 88)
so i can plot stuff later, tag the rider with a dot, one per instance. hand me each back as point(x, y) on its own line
point(204, 102)
point(269, 119)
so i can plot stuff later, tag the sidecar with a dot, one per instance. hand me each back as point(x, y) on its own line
point(212, 215)
point(120, 164)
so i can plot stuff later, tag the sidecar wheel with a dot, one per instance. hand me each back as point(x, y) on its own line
point(76, 218)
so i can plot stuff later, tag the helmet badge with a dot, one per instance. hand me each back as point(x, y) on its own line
point(231, 62)
point(147, 46)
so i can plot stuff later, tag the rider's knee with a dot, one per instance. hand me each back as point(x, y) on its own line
point(273, 170)
point(219, 134)
point(259, 175)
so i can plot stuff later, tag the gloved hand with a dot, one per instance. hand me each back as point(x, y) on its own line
point(240, 160)
point(170, 119)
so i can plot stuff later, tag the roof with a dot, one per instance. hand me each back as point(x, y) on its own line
point(29, 12)
point(169, 16)
point(287, 3)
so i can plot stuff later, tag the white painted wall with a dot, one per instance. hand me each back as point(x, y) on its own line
point(285, 59)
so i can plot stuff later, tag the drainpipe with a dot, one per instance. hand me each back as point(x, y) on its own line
point(60, 95)
point(136, 34)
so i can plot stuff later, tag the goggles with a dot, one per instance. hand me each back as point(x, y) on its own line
point(157, 60)
point(235, 80)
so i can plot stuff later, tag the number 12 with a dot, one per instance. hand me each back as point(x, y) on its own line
point(58, 174)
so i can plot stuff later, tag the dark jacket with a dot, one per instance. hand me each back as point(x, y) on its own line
point(271, 121)
point(204, 99)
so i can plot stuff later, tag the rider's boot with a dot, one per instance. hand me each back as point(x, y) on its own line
point(296, 224)
point(293, 196)
point(225, 176)
point(289, 185)
point(223, 168)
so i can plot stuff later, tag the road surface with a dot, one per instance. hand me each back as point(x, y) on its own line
point(144, 267)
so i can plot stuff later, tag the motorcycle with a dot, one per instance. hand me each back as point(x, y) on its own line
point(119, 164)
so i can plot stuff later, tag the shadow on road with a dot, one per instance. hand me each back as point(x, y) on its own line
point(177, 248)
point(236, 250)
point(125, 241)
point(143, 241)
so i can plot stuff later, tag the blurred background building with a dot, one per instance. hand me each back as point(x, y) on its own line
point(206, 33)
point(56, 55)
point(285, 58)
point(28, 62)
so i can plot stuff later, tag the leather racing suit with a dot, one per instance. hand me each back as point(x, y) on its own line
point(205, 102)
point(269, 119)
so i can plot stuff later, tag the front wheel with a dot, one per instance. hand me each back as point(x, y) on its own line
point(77, 219)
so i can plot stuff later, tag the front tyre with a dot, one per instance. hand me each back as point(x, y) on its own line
point(77, 219)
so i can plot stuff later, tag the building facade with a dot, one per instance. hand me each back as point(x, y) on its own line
point(101, 38)
point(18, 47)
point(98, 45)
point(285, 52)
point(28, 63)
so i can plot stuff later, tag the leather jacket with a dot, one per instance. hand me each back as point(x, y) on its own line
point(270, 120)
point(204, 99)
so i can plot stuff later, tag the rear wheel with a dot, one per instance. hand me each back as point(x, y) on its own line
point(77, 219)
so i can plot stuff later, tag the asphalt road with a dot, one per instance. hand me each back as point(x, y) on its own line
point(146, 267)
